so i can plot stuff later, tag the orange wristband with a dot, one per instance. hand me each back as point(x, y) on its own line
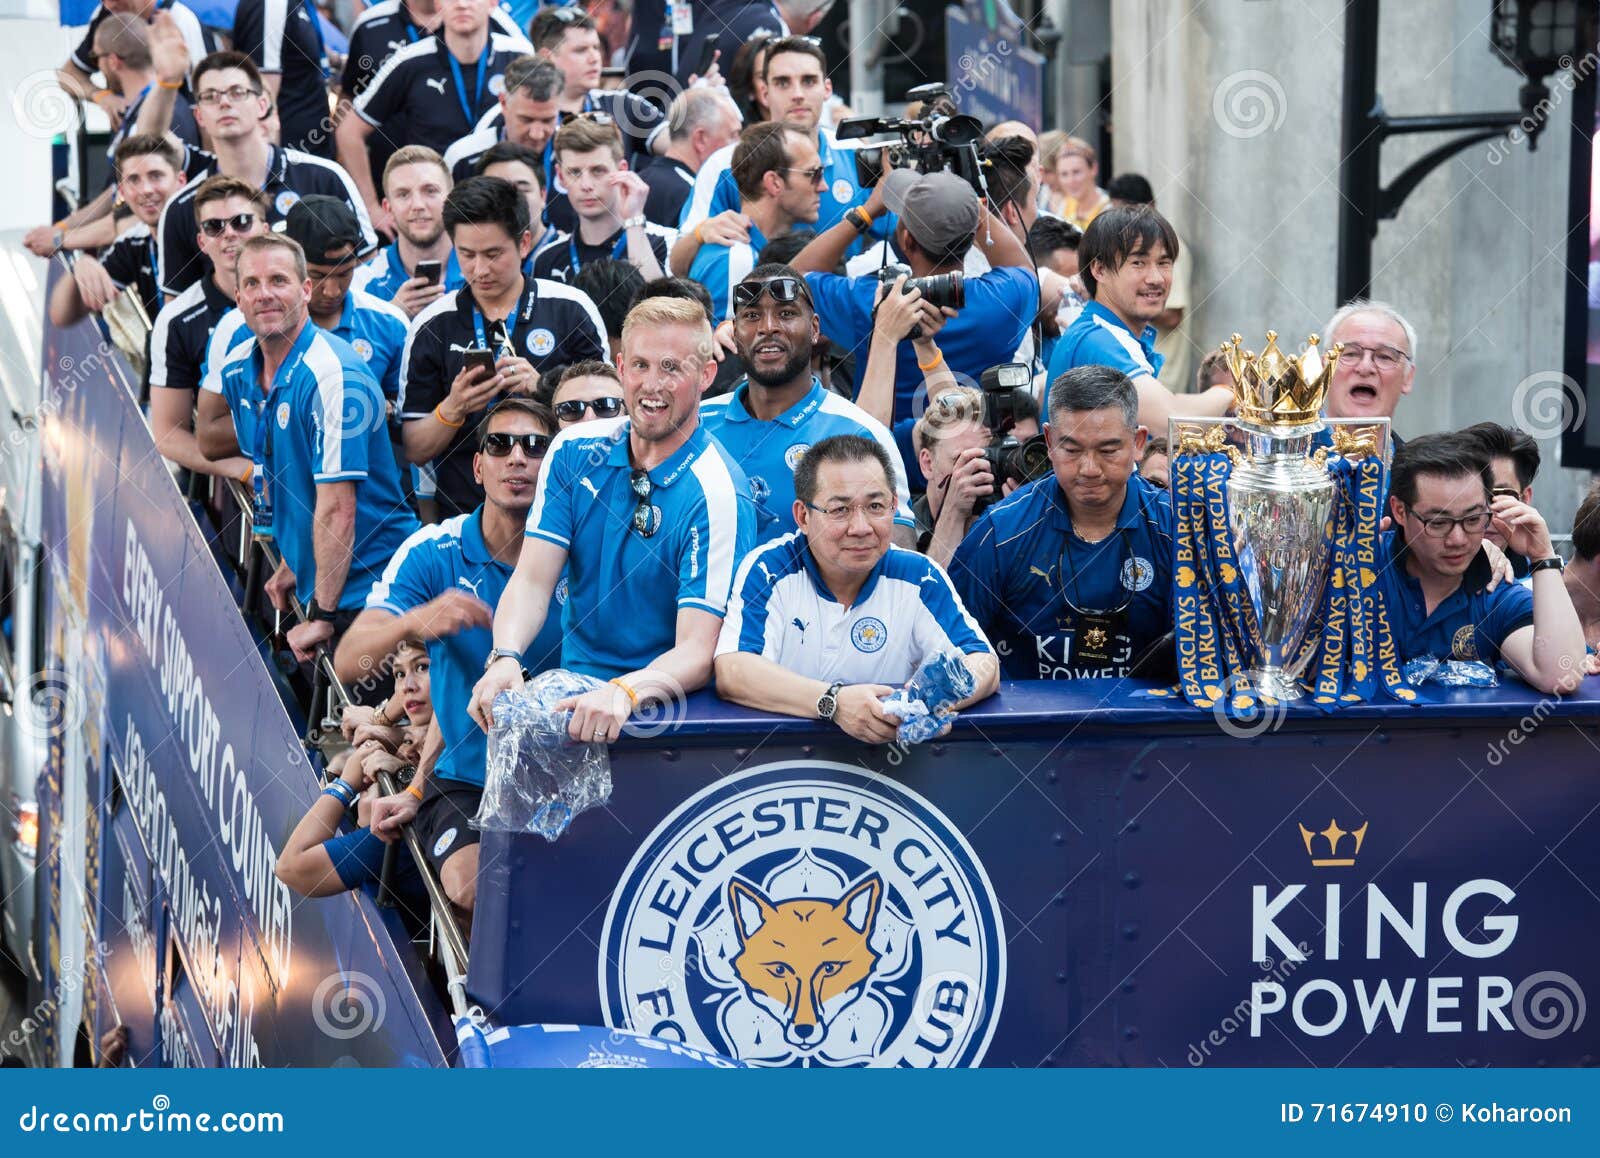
point(933, 365)
point(633, 696)
point(439, 414)
point(414, 790)
point(170, 85)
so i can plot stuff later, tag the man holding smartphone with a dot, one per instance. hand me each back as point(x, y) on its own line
point(490, 339)
point(420, 264)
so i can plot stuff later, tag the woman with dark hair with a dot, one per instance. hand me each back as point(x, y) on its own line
point(742, 75)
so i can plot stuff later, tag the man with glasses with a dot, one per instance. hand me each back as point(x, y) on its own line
point(608, 200)
point(585, 391)
point(780, 178)
point(230, 106)
point(782, 409)
point(1434, 578)
point(1071, 576)
point(1378, 364)
point(442, 586)
point(305, 407)
point(514, 326)
point(826, 621)
point(230, 212)
point(649, 516)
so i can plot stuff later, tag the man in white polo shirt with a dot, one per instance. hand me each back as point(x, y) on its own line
point(823, 621)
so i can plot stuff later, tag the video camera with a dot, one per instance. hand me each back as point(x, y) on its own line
point(939, 140)
point(1006, 398)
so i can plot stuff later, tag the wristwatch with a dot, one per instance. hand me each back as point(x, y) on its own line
point(501, 653)
point(828, 701)
point(315, 612)
point(1554, 563)
point(636, 220)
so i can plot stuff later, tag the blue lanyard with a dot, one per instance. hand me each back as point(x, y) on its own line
point(260, 451)
point(461, 83)
point(618, 251)
point(509, 347)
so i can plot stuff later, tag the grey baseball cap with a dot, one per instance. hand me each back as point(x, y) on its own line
point(940, 210)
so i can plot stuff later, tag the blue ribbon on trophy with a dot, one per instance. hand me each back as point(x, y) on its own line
point(1275, 592)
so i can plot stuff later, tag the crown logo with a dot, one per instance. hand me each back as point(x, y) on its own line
point(1333, 834)
point(1273, 389)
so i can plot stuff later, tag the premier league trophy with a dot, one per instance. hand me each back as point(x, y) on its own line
point(1276, 518)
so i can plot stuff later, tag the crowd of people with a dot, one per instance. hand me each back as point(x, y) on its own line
point(526, 372)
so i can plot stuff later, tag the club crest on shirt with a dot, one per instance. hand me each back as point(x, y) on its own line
point(1464, 645)
point(1137, 573)
point(792, 456)
point(843, 191)
point(541, 342)
point(561, 591)
point(497, 85)
point(285, 201)
point(869, 634)
point(283, 416)
point(362, 347)
point(446, 839)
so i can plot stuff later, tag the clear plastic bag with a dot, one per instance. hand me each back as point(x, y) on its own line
point(537, 778)
point(926, 704)
point(1453, 673)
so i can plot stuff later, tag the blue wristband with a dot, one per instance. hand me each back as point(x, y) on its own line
point(341, 792)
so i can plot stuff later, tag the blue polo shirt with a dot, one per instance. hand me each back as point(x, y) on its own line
point(376, 330)
point(986, 332)
point(1097, 337)
point(768, 452)
point(625, 590)
point(715, 190)
point(357, 857)
point(325, 422)
point(1021, 570)
point(906, 612)
point(721, 267)
point(443, 557)
point(1469, 623)
point(383, 276)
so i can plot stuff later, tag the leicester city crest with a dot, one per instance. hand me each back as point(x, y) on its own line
point(1137, 573)
point(869, 634)
point(362, 347)
point(541, 342)
point(285, 201)
point(807, 914)
point(792, 456)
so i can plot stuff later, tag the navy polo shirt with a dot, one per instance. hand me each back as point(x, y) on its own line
point(1000, 308)
point(625, 590)
point(670, 181)
point(554, 258)
point(1097, 337)
point(443, 557)
point(383, 276)
point(130, 261)
point(181, 335)
point(552, 325)
point(1021, 563)
point(768, 452)
point(197, 38)
point(284, 37)
point(357, 857)
point(416, 99)
point(1469, 623)
point(326, 423)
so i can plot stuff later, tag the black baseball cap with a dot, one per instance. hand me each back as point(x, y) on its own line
point(322, 224)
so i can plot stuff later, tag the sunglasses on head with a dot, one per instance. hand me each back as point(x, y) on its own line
point(499, 444)
point(780, 289)
point(572, 409)
point(239, 223)
point(646, 518)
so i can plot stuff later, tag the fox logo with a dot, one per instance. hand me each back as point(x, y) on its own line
point(804, 960)
point(436, 82)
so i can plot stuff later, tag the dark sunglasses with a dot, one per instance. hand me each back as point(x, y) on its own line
point(572, 409)
point(646, 519)
point(781, 289)
point(239, 222)
point(499, 444)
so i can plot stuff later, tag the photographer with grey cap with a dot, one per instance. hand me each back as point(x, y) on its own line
point(939, 218)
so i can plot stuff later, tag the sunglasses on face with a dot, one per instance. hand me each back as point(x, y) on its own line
point(240, 223)
point(646, 519)
point(572, 409)
point(780, 289)
point(499, 444)
point(812, 176)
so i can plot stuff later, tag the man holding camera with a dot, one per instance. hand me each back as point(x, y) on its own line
point(1071, 575)
point(940, 218)
point(782, 409)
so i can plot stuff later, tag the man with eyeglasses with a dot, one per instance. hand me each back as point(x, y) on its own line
point(431, 92)
point(305, 407)
point(1434, 578)
point(1378, 364)
point(1071, 576)
point(524, 325)
point(782, 409)
point(442, 586)
point(608, 201)
point(230, 212)
point(586, 391)
point(230, 106)
point(780, 177)
point(649, 516)
point(827, 620)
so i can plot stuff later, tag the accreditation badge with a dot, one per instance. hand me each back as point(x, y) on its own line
point(1095, 635)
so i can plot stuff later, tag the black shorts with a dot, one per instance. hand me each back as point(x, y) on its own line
point(444, 818)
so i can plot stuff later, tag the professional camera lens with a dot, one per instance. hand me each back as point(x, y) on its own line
point(940, 289)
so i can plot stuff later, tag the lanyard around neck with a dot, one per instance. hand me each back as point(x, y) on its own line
point(461, 83)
